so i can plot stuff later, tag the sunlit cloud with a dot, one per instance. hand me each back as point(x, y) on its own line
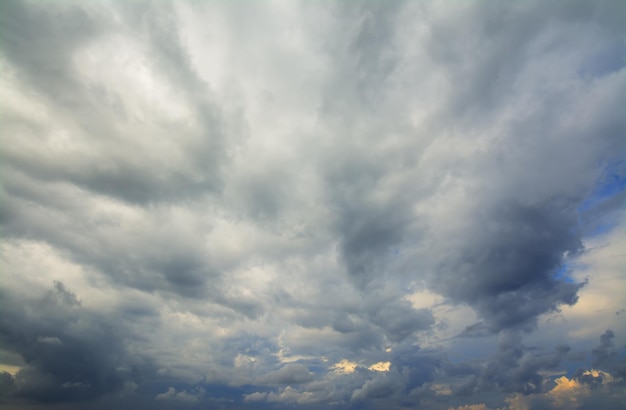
point(380, 366)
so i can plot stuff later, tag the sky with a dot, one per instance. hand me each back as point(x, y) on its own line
point(313, 205)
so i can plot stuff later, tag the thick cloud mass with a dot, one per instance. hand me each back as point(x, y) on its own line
point(70, 354)
point(318, 205)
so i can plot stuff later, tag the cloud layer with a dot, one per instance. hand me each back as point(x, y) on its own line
point(318, 205)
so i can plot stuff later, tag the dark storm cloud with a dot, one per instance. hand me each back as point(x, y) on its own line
point(507, 270)
point(70, 353)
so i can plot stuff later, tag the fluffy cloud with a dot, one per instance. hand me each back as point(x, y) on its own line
point(384, 205)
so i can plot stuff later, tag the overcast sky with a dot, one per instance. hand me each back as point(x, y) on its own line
point(315, 204)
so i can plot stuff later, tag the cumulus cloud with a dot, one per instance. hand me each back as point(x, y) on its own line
point(348, 204)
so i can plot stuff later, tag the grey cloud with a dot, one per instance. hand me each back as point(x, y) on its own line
point(70, 353)
point(49, 340)
point(42, 42)
point(604, 354)
point(515, 240)
point(7, 386)
point(503, 260)
point(367, 237)
point(53, 36)
point(377, 388)
point(63, 295)
point(587, 390)
point(516, 368)
point(466, 387)
point(176, 269)
point(583, 376)
point(157, 256)
point(188, 397)
point(400, 320)
point(475, 330)
point(293, 373)
point(520, 369)
point(506, 270)
point(502, 38)
point(419, 366)
point(396, 319)
point(271, 182)
point(171, 392)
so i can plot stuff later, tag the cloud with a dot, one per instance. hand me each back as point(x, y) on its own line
point(565, 394)
point(171, 392)
point(69, 353)
point(49, 340)
point(256, 396)
point(295, 203)
point(472, 407)
point(344, 366)
point(516, 368)
point(584, 389)
point(380, 387)
point(291, 373)
point(289, 395)
point(578, 393)
point(400, 320)
point(605, 354)
point(182, 396)
point(380, 366)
